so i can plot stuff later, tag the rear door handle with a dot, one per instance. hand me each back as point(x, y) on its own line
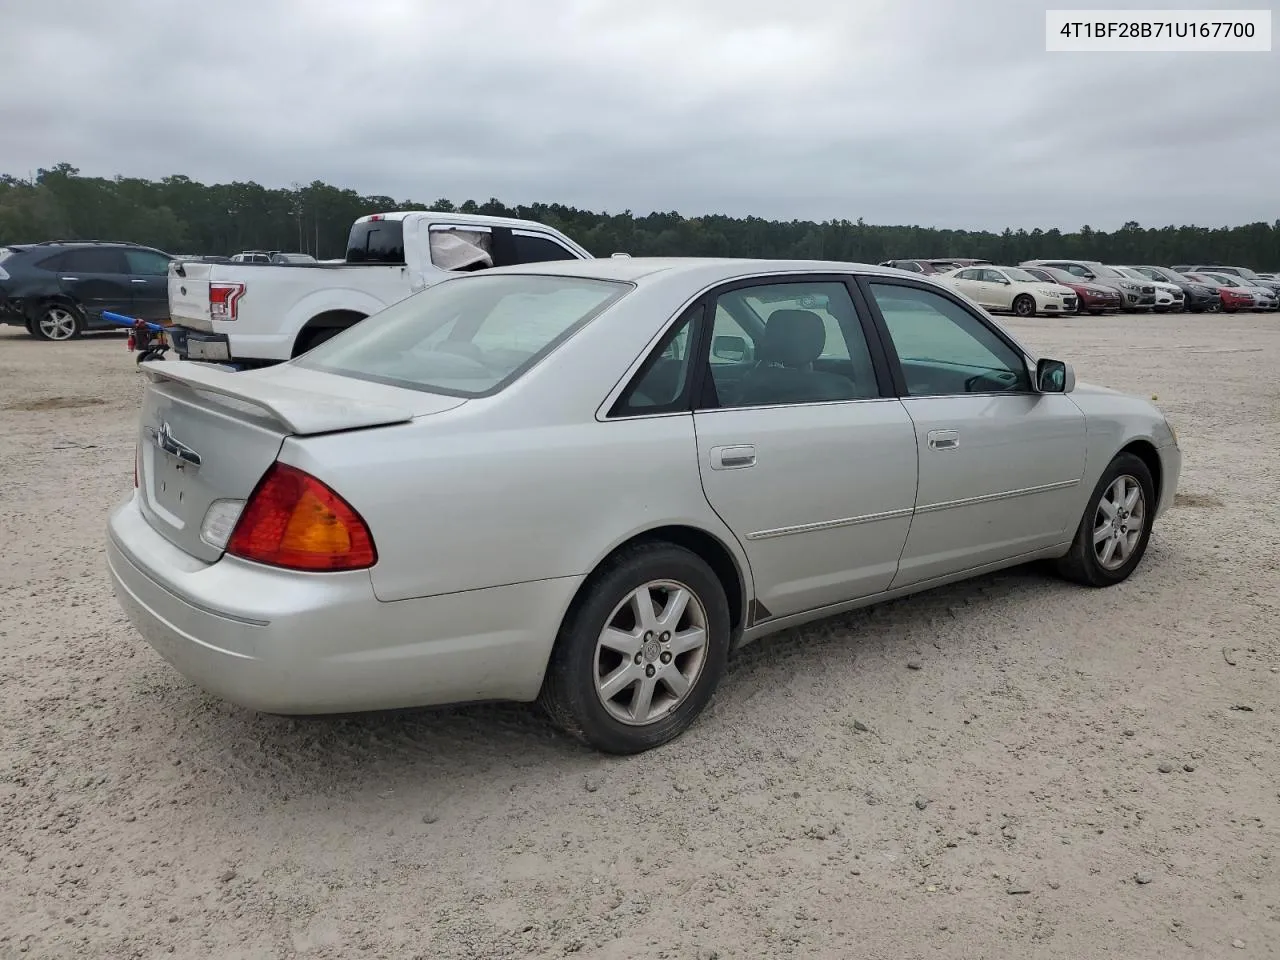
point(135, 280)
point(69, 279)
point(943, 439)
point(733, 458)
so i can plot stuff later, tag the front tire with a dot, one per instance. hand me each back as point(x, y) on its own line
point(1116, 527)
point(57, 322)
point(640, 652)
point(1024, 305)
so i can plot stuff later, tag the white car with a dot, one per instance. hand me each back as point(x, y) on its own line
point(585, 482)
point(1011, 290)
point(1169, 296)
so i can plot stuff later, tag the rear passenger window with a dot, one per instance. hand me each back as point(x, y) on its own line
point(661, 386)
point(92, 260)
point(805, 344)
point(531, 249)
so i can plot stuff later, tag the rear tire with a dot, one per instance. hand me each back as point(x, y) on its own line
point(1106, 550)
point(624, 680)
point(314, 338)
point(1024, 305)
point(57, 322)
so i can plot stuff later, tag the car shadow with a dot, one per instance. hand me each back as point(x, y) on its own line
point(429, 752)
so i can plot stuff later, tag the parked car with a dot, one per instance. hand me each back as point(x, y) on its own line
point(1169, 296)
point(1270, 299)
point(1011, 290)
point(254, 256)
point(442, 503)
point(1091, 296)
point(944, 265)
point(1244, 272)
point(1138, 294)
point(258, 314)
point(1197, 298)
point(292, 258)
point(1264, 297)
point(58, 289)
point(1233, 297)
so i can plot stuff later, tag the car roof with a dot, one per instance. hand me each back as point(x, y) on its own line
point(702, 269)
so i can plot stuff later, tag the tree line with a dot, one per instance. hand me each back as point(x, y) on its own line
point(182, 216)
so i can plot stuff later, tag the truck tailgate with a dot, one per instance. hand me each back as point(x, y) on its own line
point(189, 294)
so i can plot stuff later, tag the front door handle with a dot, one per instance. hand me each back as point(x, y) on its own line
point(733, 458)
point(943, 439)
point(69, 279)
point(137, 281)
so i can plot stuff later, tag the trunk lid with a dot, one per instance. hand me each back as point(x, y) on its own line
point(207, 434)
point(189, 294)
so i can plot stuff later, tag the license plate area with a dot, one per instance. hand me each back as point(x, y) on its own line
point(171, 483)
point(207, 349)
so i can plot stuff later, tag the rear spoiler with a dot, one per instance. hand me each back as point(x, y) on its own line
point(301, 411)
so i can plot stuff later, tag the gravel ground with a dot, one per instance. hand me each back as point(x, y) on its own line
point(1004, 798)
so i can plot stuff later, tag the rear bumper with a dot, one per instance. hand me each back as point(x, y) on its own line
point(285, 642)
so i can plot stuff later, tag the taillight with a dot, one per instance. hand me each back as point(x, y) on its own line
point(293, 520)
point(223, 298)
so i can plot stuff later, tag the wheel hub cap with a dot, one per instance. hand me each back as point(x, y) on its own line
point(651, 652)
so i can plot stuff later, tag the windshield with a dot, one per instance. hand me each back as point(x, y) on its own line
point(1173, 276)
point(1013, 273)
point(1133, 274)
point(1102, 271)
point(466, 337)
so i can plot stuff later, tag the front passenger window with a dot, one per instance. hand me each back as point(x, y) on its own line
point(943, 348)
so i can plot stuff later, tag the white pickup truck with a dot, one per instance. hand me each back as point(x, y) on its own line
point(253, 314)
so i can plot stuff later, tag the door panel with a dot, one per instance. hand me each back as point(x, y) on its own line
point(149, 282)
point(999, 479)
point(820, 498)
point(800, 453)
point(999, 464)
point(96, 278)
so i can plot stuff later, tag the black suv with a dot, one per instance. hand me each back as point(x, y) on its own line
point(58, 289)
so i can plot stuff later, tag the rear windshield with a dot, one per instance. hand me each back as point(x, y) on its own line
point(466, 337)
point(376, 241)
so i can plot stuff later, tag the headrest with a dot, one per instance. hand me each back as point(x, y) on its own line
point(793, 338)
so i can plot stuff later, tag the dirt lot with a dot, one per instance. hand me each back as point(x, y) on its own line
point(1005, 799)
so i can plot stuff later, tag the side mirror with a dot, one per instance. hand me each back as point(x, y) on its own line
point(733, 349)
point(1054, 376)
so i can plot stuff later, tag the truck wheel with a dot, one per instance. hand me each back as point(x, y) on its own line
point(314, 338)
point(57, 321)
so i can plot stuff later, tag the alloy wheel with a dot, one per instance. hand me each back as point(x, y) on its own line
point(651, 651)
point(1119, 522)
point(57, 324)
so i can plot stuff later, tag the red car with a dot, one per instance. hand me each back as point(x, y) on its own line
point(1233, 298)
point(1091, 297)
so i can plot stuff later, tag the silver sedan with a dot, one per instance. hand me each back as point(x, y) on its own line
point(586, 483)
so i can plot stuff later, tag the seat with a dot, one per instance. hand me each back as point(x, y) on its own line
point(792, 340)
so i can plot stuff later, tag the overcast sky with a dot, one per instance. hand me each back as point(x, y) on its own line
point(899, 111)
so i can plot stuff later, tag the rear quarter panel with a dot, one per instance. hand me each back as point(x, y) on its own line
point(455, 503)
point(529, 484)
